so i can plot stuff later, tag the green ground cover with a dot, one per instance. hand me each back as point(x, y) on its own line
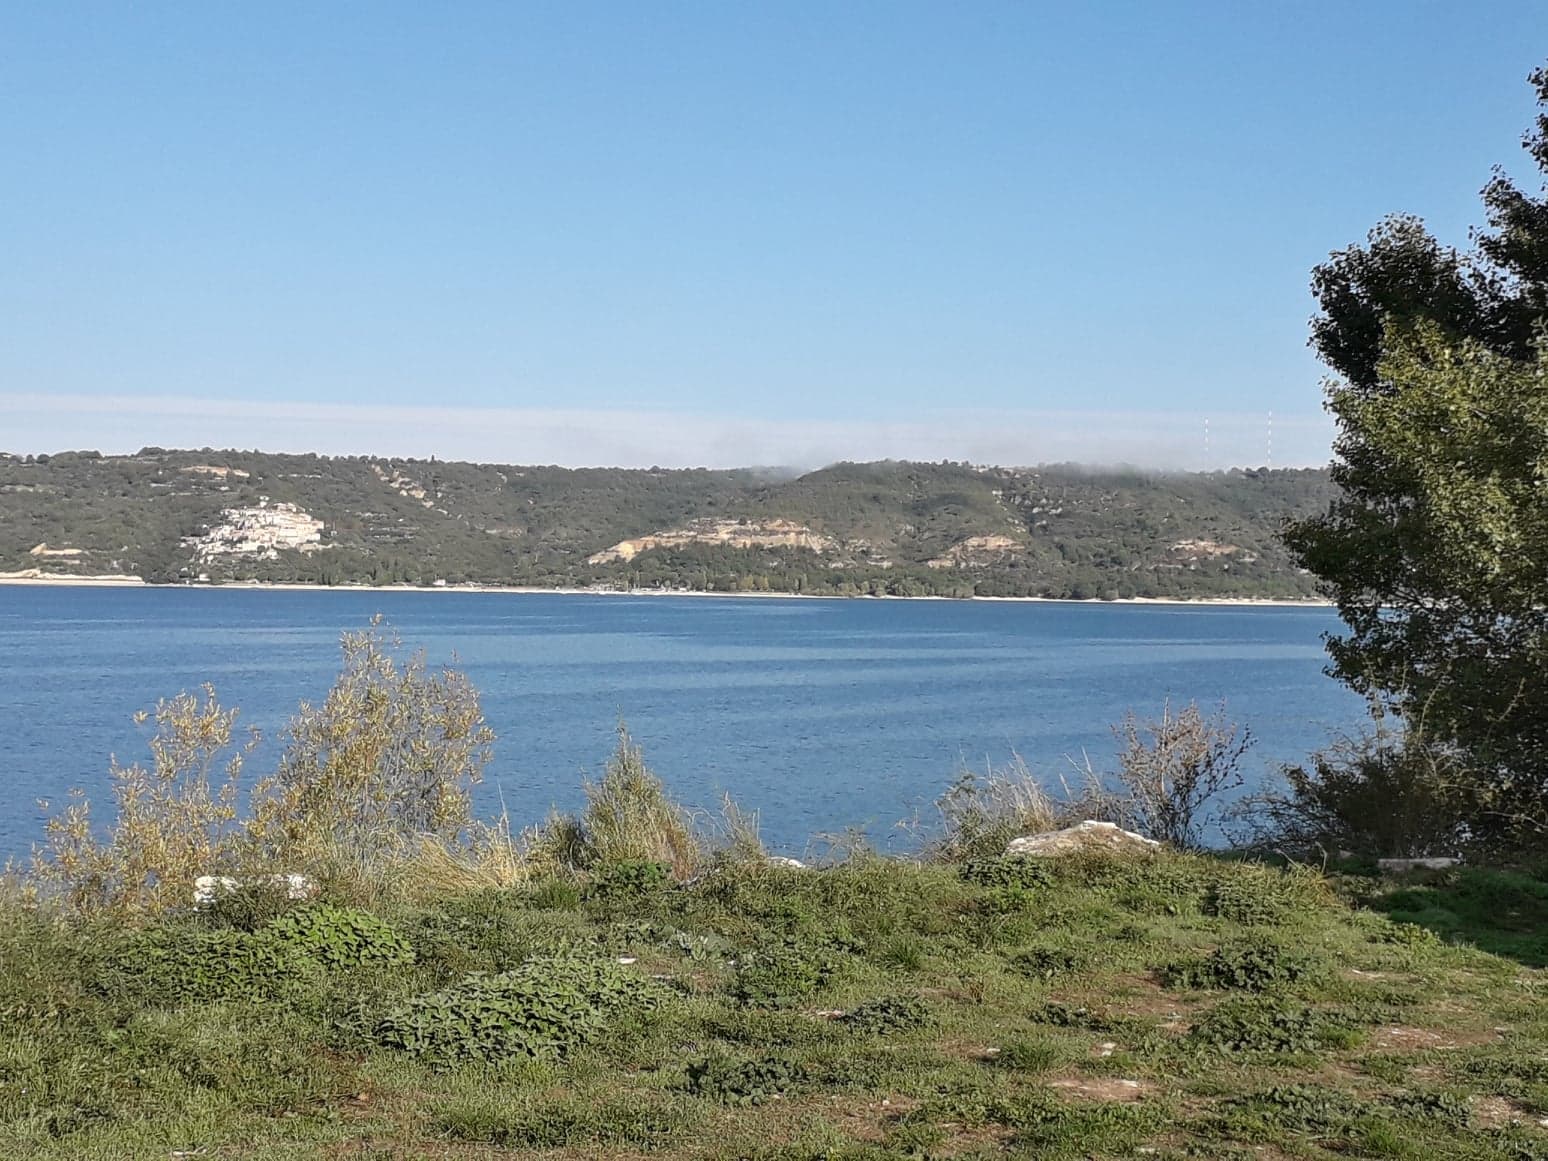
point(1170, 1006)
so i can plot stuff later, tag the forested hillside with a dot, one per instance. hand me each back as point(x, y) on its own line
point(883, 528)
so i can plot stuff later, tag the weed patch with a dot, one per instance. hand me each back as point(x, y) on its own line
point(1032, 1056)
point(173, 966)
point(781, 974)
point(1296, 1107)
point(1048, 963)
point(1251, 967)
point(1255, 895)
point(342, 937)
point(1006, 871)
point(524, 1123)
point(628, 880)
point(888, 1015)
point(729, 1081)
point(547, 1008)
point(1265, 1025)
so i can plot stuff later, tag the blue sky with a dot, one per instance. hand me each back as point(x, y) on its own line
point(716, 233)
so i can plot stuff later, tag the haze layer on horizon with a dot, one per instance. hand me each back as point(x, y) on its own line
point(579, 438)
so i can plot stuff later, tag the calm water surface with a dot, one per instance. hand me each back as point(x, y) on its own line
point(821, 714)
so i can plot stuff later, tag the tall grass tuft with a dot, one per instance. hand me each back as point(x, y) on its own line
point(628, 818)
point(489, 858)
point(734, 834)
point(980, 813)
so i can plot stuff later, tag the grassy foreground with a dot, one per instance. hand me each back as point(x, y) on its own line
point(1169, 1006)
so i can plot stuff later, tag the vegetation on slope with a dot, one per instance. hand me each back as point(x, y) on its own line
point(874, 1008)
point(1056, 531)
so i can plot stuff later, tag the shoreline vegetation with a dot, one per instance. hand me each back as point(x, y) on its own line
point(367, 970)
point(267, 586)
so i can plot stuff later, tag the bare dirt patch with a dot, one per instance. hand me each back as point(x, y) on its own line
point(1101, 1088)
point(1144, 996)
point(867, 1120)
point(1404, 1038)
point(1381, 977)
point(1495, 1112)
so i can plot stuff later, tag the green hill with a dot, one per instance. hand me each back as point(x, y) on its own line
point(880, 528)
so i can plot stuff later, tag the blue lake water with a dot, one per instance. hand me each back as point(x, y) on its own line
point(820, 714)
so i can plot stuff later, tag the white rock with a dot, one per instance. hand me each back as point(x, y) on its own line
point(1398, 866)
point(208, 888)
point(1090, 835)
point(783, 861)
point(297, 886)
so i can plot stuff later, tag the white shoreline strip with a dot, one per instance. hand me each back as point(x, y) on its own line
point(257, 586)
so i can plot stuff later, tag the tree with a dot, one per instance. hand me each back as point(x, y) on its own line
point(1496, 295)
point(1436, 550)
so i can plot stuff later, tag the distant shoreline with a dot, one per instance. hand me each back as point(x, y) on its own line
point(258, 586)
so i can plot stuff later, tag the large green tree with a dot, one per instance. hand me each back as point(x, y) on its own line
point(1436, 551)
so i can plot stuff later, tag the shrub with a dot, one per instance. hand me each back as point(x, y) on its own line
point(174, 966)
point(176, 819)
point(1172, 768)
point(1251, 967)
point(742, 1082)
point(389, 756)
point(546, 1008)
point(342, 937)
point(887, 1015)
point(1382, 793)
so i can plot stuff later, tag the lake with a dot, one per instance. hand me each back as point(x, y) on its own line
point(820, 714)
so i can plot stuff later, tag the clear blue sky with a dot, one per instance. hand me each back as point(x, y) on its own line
point(764, 231)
